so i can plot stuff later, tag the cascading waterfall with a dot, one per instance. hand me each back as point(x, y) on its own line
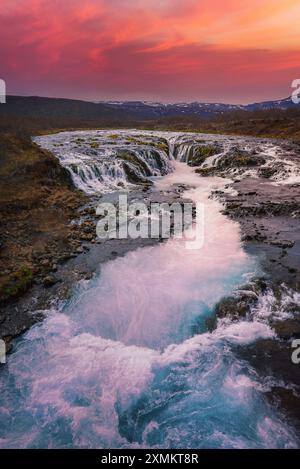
point(129, 360)
point(102, 162)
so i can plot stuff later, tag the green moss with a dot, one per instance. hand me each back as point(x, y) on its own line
point(162, 146)
point(17, 283)
point(138, 141)
point(78, 140)
point(94, 145)
point(243, 160)
point(204, 171)
point(131, 158)
point(201, 153)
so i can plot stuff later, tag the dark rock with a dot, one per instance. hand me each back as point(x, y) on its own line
point(282, 243)
point(50, 280)
point(231, 307)
point(287, 329)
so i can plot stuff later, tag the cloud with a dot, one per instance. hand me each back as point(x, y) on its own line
point(166, 50)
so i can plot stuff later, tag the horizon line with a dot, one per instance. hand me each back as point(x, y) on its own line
point(110, 101)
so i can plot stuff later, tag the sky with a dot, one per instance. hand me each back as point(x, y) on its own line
point(233, 51)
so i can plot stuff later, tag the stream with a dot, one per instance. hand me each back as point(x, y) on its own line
point(128, 361)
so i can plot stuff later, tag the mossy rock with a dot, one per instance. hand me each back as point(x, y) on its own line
point(200, 154)
point(205, 171)
point(132, 176)
point(78, 140)
point(241, 160)
point(156, 155)
point(162, 146)
point(130, 157)
point(138, 141)
point(17, 283)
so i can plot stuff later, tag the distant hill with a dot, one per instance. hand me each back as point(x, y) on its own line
point(76, 110)
point(36, 114)
point(58, 108)
point(149, 110)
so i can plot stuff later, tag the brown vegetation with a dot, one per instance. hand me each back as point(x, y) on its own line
point(37, 202)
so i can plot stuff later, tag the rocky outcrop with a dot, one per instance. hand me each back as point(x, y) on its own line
point(37, 202)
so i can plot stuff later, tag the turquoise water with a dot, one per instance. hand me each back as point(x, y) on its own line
point(128, 361)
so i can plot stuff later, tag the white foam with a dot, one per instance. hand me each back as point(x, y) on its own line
point(128, 362)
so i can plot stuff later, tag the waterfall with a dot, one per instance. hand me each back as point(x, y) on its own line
point(129, 360)
point(99, 161)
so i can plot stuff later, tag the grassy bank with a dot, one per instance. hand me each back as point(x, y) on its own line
point(37, 201)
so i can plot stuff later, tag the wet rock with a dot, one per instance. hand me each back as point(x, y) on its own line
point(50, 280)
point(238, 158)
point(45, 262)
point(2, 316)
point(231, 307)
point(65, 256)
point(288, 400)
point(282, 243)
point(8, 343)
point(288, 329)
point(271, 357)
point(292, 270)
point(199, 154)
point(87, 237)
point(247, 295)
point(267, 172)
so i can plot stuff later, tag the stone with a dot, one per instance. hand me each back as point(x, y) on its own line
point(50, 280)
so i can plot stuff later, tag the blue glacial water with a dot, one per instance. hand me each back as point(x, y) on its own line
point(128, 361)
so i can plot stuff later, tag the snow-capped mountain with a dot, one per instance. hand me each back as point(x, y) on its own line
point(147, 110)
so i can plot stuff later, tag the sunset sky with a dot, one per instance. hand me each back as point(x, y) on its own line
point(235, 51)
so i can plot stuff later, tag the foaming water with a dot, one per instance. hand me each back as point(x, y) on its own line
point(79, 390)
point(129, 362)
point(103, 161)
point(155, 296)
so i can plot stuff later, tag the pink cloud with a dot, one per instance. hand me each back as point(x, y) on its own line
point(169, 50)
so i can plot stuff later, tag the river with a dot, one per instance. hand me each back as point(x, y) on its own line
point(129, 361)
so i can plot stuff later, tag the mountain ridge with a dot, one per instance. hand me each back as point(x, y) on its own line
point(148, 109)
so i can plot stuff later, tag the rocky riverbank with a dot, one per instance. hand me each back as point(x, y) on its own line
point(37, 203)
point(269, 217)
point(49, 238)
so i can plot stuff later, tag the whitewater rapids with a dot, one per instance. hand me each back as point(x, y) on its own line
point(129, 362)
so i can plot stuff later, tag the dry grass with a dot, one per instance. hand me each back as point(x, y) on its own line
point(37, 202)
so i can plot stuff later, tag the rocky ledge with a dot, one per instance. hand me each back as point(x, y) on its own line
point(269, 216)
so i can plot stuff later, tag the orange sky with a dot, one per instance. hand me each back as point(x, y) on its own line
point(168, 50)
